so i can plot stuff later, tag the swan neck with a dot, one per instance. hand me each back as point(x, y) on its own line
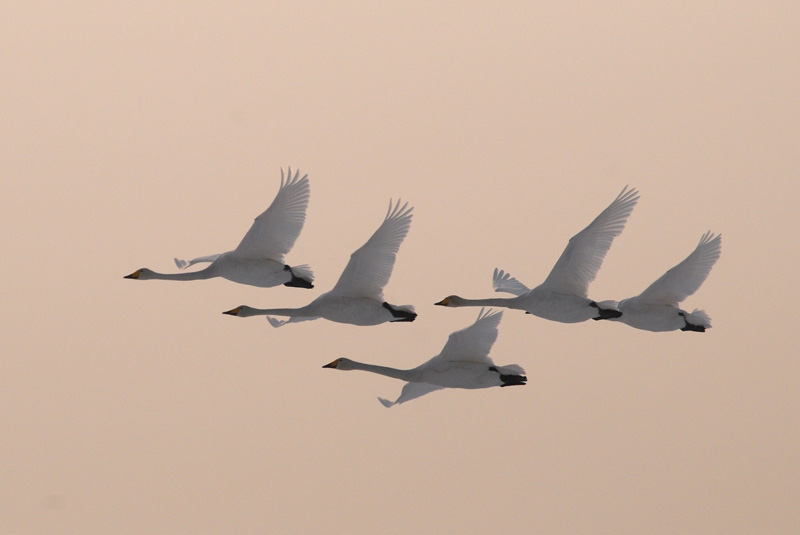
point(291, 312)
point(405, 375)
point(183, 276)
point(488, 302)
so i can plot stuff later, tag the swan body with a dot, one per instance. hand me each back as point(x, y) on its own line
point(563, 296)
point(357, 298)
point(261, 272)
point(656, 308)
point(564, 308)
point(464, 362)
point(258, 259)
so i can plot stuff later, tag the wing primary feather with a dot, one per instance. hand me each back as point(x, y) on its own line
point(371, 265)
point(274, 231)
point(685, 278)
point(581, 260)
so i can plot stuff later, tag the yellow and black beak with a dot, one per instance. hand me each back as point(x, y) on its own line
point(233, 311)
point(134, 275)
point(444, 302)
point(332, 364)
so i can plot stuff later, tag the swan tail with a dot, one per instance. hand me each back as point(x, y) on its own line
point(511, 369)
point(386, 403)
point(609, 304)
point(606, 310)
point(302, 277)
point(697, 321)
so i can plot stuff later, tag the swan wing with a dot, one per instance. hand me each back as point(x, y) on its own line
point(411, 391)
point(183, 264)
point(504, 282)
point(684, 279)
point(473, 343)
point(581, 260)
point(370, 267)
point(275, 322)
point(274, 232)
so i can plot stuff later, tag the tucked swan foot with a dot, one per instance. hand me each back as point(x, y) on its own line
point(509, 380)
point(296, 281)
point(605, 313)
point(691, 327)
point(399, 313)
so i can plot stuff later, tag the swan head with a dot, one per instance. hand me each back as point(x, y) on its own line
point(451, 301)
point(242, 311)
point(340, 364)
point(142, 273)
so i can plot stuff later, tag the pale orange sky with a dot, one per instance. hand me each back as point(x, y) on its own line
point(136, 132)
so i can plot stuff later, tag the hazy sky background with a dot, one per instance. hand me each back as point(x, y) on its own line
point(135, 132)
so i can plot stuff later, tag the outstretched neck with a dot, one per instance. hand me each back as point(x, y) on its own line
point(291, 312)
point(405, 375)
point(276, 312)
point(507, 302)
point(206, 273)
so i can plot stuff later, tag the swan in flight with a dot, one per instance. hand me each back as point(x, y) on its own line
point(463, 363)
point(258, 259)
point(656, 308)
point(357, 298)
point(563, 295)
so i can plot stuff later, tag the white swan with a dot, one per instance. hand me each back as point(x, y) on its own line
point(258, 260)
point(563, 295)
point(357, 298)
point(656, 308)
point(463, 363)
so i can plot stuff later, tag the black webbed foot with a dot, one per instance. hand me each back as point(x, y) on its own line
point(691, 327)
point(509, 380)
point(400, 315)
point(605, 313)
point(296, 281)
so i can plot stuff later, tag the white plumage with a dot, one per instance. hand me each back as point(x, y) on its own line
point(464, 362)
point(563, 294)
point(656, 308)
point(357, 298)
point(258, 259)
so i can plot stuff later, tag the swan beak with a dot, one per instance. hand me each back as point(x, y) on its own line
point(233, 311)
point(332, 364)
point(134, 275)
point(444, 302)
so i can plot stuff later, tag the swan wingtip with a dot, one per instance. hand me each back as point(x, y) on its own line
point(385, 402)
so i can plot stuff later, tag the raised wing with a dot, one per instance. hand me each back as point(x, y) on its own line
point(504, 282)
point(684, 279)
point(473, 343)
point(183, 264)
point(274, 232)
point(411, 391)
point(370, 266)
point(581, 260)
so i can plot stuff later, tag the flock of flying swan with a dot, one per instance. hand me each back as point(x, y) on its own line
point(464, 362)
